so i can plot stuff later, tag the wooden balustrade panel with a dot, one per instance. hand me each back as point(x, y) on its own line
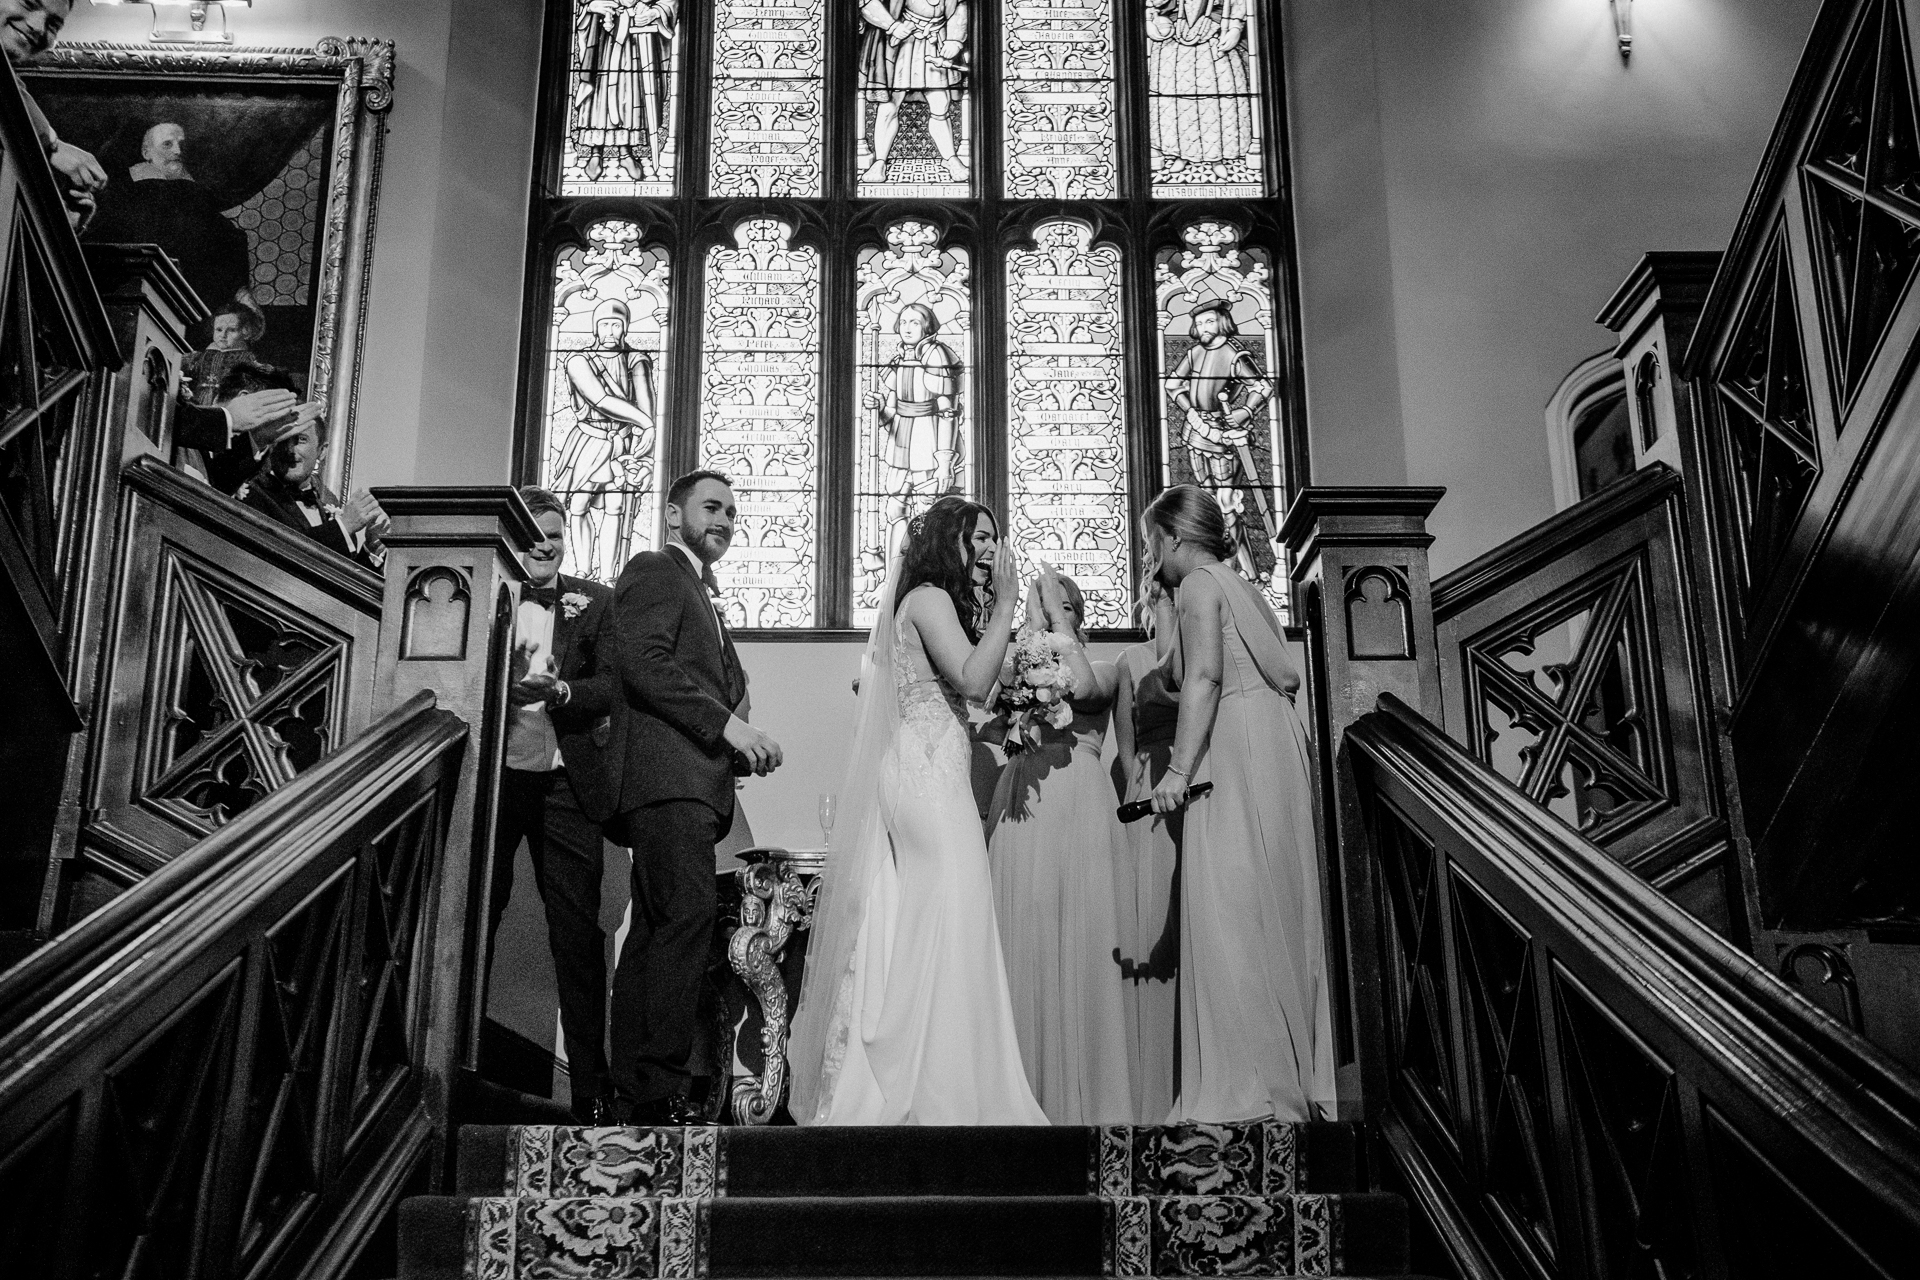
point(225, 1074)
point(236, 654)
point(1584, 1081)
point(1802, 381)
point(1571, 667)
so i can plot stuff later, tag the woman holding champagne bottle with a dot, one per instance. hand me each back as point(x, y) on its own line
point(1256, 1034)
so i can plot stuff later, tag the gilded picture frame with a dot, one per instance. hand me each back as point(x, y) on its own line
point(276, 149)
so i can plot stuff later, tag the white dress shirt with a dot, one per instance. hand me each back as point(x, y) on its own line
point(532, 744)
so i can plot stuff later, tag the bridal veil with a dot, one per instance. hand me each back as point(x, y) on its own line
point(854, 854)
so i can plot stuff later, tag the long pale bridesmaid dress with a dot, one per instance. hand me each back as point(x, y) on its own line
point(1149, 890)
point(1256, 1030)
point(1052, 841)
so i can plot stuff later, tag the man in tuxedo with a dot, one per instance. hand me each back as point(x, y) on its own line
point(555, 791)
point(679, 738)
point(221, 442)
point(287, 489)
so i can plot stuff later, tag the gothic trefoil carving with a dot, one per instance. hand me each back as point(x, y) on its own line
point(250, 696)
point(1579, 732)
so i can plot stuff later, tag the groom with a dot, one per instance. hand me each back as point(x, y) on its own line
point(676, 750)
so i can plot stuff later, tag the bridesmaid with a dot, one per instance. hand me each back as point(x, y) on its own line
point(1144, 712)
point(1052, 838)
point(1256, 1035)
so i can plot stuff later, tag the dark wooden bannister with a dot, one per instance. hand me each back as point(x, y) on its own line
point(1584, 1081)
point(228, 1071)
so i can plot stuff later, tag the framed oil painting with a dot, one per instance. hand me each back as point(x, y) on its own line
point(257, 171)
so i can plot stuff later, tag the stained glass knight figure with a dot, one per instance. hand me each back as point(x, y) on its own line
point(1200, 73)
point(916, 399)
point(622, 102)
point(914, 47)
point(612, 446)
point(1221, 392)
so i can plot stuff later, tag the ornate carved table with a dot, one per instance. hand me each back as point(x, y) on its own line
point(763, 912)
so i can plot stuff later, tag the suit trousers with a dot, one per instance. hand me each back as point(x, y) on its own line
point(656, 987)
point(567, 851)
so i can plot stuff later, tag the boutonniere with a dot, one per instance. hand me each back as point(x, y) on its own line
point(573, 604)
point(240, 494)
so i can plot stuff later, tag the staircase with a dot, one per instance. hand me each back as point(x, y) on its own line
point(1191, 1200)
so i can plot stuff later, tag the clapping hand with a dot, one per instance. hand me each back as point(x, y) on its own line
point(1006, 578)
point(1053, 598)
point(362, 512)
point(257, 411)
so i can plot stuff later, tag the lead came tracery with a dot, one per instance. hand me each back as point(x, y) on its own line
point(891, 154)
point(760, 401)
point(1067, 439)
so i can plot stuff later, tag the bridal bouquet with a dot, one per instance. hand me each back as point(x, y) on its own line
point(1035, 684)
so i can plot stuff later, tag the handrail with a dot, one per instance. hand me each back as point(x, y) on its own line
point(1837, 1114)
point(176, 907)
point(255, 1012)
point(1552, 539)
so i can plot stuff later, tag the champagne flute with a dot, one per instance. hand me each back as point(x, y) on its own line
point(826, 817)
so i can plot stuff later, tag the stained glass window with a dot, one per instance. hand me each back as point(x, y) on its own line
point(767, 61)
point(1066, 434)
point(915, 86)
point(1203, 99)
point(914, 357)
point(861, 322)
point(1057, 64)
point(606, 347)
point(622, 98)
point(1220, 428)
point(760, 413)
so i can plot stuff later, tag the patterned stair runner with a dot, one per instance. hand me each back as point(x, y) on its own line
point(1191, 1200)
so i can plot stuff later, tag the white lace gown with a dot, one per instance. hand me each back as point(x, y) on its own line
point(922, 1028)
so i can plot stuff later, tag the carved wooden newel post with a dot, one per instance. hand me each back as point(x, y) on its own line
point(452, 585)
point(1360, 577)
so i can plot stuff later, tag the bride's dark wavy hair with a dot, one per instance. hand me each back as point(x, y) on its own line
point(932, 555)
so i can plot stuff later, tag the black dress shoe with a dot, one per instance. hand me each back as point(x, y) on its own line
point(679, 1111)
point(597, 1112)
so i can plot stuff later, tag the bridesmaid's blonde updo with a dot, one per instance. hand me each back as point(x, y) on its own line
point(1189, 513)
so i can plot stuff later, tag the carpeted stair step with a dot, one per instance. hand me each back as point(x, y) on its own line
point(518, 1238)
point(1252, 1159)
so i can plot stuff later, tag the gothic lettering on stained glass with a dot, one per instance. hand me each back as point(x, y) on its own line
point(1066, 432)
point(1220, 426)
point(622, 93)
point(915, 351)
point(1058, 64)
point(605, 355)
point(760, 418)
point(767, 66)
point(916, 124)
point(1203, 99)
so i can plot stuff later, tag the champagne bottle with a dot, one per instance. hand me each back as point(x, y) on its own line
point(1138, 809)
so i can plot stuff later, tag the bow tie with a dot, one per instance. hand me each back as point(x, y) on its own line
point(548, 595)
point(306, 496)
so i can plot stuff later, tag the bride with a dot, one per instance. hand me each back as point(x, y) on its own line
point(904, 1016)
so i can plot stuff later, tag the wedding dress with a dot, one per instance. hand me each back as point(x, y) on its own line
point(904, 1014)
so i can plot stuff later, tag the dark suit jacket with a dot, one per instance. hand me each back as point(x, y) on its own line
point(682, 681)
point(265, 496)
point(586, 657)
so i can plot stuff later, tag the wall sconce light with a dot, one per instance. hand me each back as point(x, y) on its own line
point(187, 21)
point(1623, 26)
